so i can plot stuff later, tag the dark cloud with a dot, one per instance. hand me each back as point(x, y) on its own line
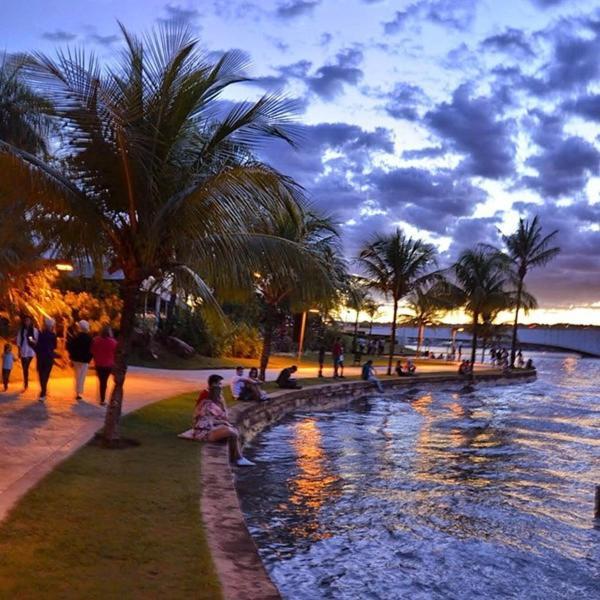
point(405, 100)
point(564, 162)
point(547, 3)
point(269, 83)
point(466, 232)
point(472, 126)
point(398, 23)
point(298, 69)
point(329, 80)
point(563, 167)
point(431, 152)
point(296, 8)
point(512, 41)
point(179, 14)
point(427, 199)
point(59, 36)
point(451, 14)
point(587, 106)
point(103, 40)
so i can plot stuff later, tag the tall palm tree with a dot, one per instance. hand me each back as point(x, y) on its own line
point(282, 291)
point(151, 177)
point(357, 299)
point(372, 308)
point(482, 284)
point(427, 304)
point(527, 249)
point(395, 264)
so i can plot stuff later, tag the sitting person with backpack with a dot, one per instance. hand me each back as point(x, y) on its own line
point(285, 379)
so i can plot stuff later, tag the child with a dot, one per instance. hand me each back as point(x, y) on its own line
point(8, 360)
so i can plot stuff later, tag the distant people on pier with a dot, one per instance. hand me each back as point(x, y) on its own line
point(368, 374)
point(529, 364)
point(285, 379)
point(520, 360)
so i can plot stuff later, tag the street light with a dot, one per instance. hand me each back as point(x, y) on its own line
point(302, 330)
point(64, 267)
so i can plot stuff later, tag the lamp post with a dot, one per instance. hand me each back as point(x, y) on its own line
point(455, 330)
point(302, 330)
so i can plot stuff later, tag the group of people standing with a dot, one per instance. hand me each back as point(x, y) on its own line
point(42, 345)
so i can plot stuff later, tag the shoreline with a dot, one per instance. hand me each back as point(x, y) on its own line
point(235, 554)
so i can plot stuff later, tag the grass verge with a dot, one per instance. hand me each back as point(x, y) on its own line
point(115, 523)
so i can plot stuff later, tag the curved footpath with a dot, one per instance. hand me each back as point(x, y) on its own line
point(239, 567)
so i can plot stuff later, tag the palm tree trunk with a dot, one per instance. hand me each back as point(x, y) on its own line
point(474, 343)
point(130, 294)
point(513, 346)
point(393, 337)
point(420, 337)
point(354, 347)
point(268, 330)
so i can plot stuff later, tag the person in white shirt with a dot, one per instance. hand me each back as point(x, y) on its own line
point(27, 337)
point(237, 383)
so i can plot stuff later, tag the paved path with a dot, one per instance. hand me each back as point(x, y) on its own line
point(35, 437)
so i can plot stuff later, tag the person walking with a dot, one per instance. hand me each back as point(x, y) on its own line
point(8, 360)
point(104, 347)
point(26, 338)
point(321, 359)
point(45, 347)
point(79, 348)
point(336, 352)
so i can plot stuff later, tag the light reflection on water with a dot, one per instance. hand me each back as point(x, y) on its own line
point(436, 494)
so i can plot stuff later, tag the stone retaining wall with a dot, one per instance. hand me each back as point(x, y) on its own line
point(241, 572)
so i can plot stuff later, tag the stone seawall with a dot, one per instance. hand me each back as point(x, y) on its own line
point(241, 572)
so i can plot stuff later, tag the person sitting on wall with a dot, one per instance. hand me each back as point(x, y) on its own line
point(211, 422)
point(529, 364)
point(368, 374)
point(400, 369)
point(465, 368)
point(239, 391)
point(252, 386)
point(285, 379)
point(410, 367)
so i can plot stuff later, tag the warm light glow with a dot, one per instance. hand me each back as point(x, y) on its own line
point(66, 267)
point(313, 310)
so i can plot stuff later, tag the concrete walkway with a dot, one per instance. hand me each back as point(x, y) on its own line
point(35, 437)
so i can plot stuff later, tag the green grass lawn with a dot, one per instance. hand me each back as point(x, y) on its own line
point(115, 523)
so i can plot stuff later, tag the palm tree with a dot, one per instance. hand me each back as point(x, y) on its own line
point(282, 291)
point(427, 304)
point(150, 179)
point(372, 308)
point(527, 249)
point(482, 285)
point(357, 299)
point(395, 264)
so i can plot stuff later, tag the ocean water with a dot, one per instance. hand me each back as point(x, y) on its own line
point(436, 493)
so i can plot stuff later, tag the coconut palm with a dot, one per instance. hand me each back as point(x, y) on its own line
point(282, 291)
point(357, 299)
point(154, 175)
point(395, 264)
point(527, 249)
point(482, 286)
point(427, 304)
point(373, 309)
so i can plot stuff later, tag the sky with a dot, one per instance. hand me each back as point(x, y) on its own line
point(448, 118)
